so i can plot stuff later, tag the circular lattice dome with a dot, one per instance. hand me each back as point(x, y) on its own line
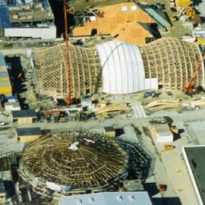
point(172, 61)
point(75, 160)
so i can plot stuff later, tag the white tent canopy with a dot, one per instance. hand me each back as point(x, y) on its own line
point(123, 69)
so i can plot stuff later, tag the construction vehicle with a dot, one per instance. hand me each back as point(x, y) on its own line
point(200, 41)
point(162, 187)
point(52, 112)
point(151, 94)
point(168, 146)
point(158, 121)
point(175, 18)
point(55, 114)
point(68, 99)
point(189, 88)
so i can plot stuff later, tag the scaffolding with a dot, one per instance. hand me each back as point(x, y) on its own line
point(169, 60)
point(79, 161)
point(139, 161)
point(172, 62)
point(84, 67)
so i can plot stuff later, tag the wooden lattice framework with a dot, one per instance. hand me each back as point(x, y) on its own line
point(172, 61)
point(97, 164)
point(53, 79)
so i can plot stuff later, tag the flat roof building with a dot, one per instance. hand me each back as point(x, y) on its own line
point(194, 160)
point(11, 106)
point(162, 134)
point(157, 15)
point(29, 19)
point(28, 134)
point(24, 116)
point(108, 198)
point(109, 131)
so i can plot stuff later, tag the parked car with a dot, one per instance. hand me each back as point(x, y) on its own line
point(150, 94)
point(158, 121)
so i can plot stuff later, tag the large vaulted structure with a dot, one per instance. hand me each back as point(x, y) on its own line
point(118, 68)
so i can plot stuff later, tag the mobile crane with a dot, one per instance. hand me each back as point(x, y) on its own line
point(68, 99)
point(188, 89)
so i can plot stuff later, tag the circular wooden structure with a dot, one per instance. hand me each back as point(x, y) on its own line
point(76, 161)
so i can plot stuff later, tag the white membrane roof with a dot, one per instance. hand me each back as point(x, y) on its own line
point(123, 69)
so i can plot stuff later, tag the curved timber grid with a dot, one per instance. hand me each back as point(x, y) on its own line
point(139, 161)
point(172, 61)
point(78, 160)
point(85, 71)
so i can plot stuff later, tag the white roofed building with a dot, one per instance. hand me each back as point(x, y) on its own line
point(122, 68)
point(108, 198)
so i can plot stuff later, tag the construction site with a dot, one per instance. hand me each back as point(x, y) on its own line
point(166, 63)
point(99, 99)
point(73, 163)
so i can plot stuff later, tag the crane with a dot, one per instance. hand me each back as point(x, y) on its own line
point(68, 99)
point(188, 89)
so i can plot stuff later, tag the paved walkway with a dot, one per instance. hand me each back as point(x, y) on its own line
point(178, 175)
point(138, 111)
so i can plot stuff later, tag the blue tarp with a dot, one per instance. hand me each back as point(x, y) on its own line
point(4, 16)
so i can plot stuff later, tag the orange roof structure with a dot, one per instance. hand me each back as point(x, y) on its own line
point(133, 32)
point(109, 19)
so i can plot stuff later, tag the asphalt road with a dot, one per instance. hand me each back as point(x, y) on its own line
point(185, 117)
